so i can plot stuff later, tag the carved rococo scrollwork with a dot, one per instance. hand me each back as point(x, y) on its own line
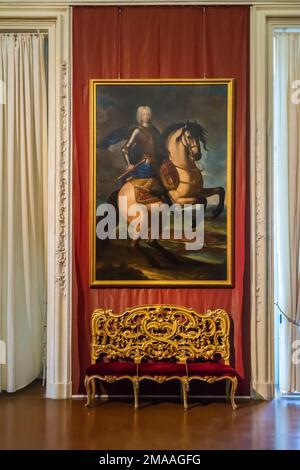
point(61, 245)
point(160, 332)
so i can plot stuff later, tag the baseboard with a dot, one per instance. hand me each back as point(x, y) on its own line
point(198, 397)
point(59, 390)
point(262, 391)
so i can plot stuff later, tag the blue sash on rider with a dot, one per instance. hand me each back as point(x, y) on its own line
point(145, 170)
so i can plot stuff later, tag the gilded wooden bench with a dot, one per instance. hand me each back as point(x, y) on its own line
point(160, 343)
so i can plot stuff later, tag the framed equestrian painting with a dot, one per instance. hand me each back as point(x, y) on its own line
point(161, 205)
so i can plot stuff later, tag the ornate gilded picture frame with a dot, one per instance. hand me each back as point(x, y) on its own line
point(161, 182)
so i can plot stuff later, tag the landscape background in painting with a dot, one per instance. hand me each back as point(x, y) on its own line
point(116, 107)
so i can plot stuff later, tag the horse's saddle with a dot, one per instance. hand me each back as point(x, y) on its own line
point(144, 190)
point(169, 175)
point(148, 190)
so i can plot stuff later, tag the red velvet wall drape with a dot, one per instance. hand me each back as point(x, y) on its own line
point(158, 42)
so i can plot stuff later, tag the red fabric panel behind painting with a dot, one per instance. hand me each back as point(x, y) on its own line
point(158, 42)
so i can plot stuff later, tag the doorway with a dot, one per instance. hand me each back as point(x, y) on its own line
point(286, 207)
point(55, 20)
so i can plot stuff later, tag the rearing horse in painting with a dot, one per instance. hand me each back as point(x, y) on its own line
point(183, 142)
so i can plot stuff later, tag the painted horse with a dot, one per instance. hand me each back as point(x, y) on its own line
point(183, 141)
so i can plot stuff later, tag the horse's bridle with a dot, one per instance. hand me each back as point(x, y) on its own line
point(186, 144)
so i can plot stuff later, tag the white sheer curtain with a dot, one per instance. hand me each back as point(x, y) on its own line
point(287, 206)
point(23, 161)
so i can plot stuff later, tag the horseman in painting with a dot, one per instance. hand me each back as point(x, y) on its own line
point(144, 152)
point(161, 168)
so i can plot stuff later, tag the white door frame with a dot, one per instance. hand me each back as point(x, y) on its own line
point(56, 22)
point(263, 20)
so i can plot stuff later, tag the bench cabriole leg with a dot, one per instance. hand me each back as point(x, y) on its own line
point(93, 389)
point(184, 388)
point(88, 390)
point(232, 393)
point(136, 385)
point(228, 388)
